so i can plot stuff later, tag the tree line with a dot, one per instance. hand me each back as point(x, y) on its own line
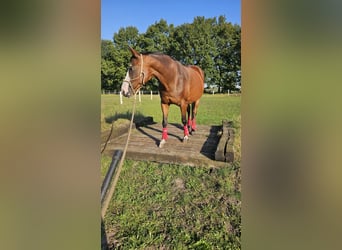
point(211, 43)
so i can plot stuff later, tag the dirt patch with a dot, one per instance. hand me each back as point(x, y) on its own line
point(178, 185)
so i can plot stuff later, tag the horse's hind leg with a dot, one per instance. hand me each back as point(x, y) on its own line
point(194, 113)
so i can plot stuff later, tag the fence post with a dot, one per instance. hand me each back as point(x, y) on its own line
point(139, 96)
point(151, 95)
point(120, 97)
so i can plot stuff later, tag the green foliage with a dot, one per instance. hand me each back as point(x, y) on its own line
point(213, 44)
point(113, 66)
point(157, 37)
point(228, 61)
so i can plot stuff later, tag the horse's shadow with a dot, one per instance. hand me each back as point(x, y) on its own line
point(208, 148)
point(157, 140)
point(143, 124)
point(137, 117)
point(177, 125)
point(210, 145)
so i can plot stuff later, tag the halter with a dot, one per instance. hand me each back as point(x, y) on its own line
point(142, 73)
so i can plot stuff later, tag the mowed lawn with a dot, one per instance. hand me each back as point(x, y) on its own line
point(212, 109)
point(167, 206)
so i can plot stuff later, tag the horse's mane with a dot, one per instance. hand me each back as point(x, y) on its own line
point(158, 53)
point(153, 53)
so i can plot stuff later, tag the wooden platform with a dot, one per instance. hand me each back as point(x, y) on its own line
point(200, 149)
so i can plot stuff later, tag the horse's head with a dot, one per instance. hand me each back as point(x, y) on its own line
point(135, 75)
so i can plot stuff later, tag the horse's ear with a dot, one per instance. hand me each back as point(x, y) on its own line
point(134, 52)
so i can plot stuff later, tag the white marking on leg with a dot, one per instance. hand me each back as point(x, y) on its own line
point(162, 142)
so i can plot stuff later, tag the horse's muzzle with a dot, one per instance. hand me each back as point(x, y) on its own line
point(126, 89)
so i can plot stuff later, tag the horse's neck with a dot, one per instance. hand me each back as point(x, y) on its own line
point(162, 70)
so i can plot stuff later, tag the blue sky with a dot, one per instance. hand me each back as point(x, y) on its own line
point(117, 14)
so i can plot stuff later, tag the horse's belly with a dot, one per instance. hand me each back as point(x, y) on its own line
point(189, 96)
point(194, 95)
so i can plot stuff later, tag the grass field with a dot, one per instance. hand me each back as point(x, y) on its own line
point(211, 111)
point(165, 206)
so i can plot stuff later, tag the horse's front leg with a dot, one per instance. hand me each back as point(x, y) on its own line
point(184, 108)
point(165, 110)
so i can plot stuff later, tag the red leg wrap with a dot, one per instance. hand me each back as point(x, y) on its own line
point(186, 130)
point(190, 123)
point(164, 134)
point(193, 124)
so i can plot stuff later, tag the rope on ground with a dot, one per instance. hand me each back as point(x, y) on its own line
point(116, 177)
point(109, 135)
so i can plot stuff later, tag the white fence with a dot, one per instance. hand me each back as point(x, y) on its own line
point(141, 92)
point(116, 92)
point(152, 93)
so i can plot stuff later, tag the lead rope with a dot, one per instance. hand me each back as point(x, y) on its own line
point(108, 137)
point(142, 74)
point(116, 178)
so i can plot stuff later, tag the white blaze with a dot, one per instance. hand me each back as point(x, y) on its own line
point(124, 87)
point(125, 84)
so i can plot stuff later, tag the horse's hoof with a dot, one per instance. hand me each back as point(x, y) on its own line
point(186, 138)
point(162, 142)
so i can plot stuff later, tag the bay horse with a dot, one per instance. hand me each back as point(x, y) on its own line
point(178, 84)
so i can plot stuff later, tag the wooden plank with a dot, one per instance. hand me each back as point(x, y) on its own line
point(144, 141)
point(221, 147)
point(229, 154)
point(225, 150)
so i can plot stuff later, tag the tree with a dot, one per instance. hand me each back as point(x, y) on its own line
point(126, 37)
point(211, 43)
point(228, 61)
point(113, 66)
point(156, 37)
point(107, 64)
point(115, 57)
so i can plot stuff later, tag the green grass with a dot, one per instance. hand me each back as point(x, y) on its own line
point(105, 162)
point(173, 206)
point(212, 109)
point(164, 206)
